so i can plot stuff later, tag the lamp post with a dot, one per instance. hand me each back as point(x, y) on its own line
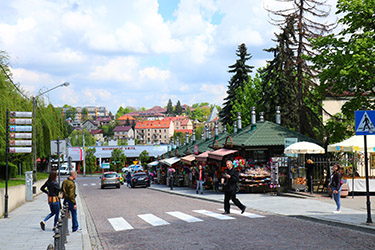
point(65, 84)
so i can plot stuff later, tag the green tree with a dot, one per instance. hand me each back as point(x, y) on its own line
point(197, 114)
point(188, 112)
point(84, 115)
point(206, 111)
point(144, 158)
point(346, 61)
point(248, 96)
point(198, 132)
point(118, 157)
point(178, 108)
point(241, 75)
point(169, 108)
point(76, 138)
point(90, 160)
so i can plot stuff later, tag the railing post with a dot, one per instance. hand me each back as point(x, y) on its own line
point(57, 239)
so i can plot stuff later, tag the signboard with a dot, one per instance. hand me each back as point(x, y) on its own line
point(372, 160)
point(20, 121)
point(20, 114)
point(105, 165)
point(20, 135)
point(20, 142)
point(62, 147)
point(20, 150)
point(288, 142)
point(196, 149)
point(364, 122)
point(20, 128)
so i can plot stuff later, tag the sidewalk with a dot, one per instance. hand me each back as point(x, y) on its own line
point(317, 208)
point(21, 230)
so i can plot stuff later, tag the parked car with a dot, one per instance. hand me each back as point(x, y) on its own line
point(110, 179)
point(140, 179)
point(63, 170)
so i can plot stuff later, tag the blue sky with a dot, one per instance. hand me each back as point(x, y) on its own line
point(136, 53)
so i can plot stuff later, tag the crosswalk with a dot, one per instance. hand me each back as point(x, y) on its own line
point(120, 224)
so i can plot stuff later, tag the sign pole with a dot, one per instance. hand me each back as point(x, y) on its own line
point(58, 157)
point(6, 167)
point(369, 220)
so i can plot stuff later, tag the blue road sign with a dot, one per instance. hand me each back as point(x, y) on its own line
point(20, 128)
point(364, 122)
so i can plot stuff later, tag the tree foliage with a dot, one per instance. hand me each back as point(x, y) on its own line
point(346, 60)
point(90, 160)
point(76, 138)
point(241, 76)
point(178, 108)
point(118, 156)
point(144, 157)
point(169, 108)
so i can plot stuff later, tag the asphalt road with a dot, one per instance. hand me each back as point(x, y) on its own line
point(140, 218)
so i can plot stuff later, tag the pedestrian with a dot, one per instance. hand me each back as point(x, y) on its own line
point(69, 189)
point(52, 189)
point(215, 180)
point(128, 179)
point(230, 188)
point(336, 187)
point(199, 177)
point(170, 176)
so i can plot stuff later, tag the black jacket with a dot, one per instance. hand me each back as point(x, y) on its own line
point(336, 181)
point(197, 174)
point(51, 188)
point(230, 184)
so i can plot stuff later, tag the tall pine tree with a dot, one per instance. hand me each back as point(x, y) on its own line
point(306, 13)
point(241, 76)
point(169, 108)
point(178, 108)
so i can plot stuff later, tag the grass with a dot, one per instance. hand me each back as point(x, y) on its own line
point(20, 180)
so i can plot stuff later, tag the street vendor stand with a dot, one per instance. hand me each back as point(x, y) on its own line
point(298, 172)
point(354, 169)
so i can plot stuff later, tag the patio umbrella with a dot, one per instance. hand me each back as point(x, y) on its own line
point(304, 147)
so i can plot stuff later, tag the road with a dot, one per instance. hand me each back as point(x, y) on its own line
point(140, 218)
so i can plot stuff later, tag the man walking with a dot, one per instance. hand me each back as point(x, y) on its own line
point(69, 189)
point(230, 187)
point(199, 177)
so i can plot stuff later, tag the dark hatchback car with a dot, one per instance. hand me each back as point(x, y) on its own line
point(140, 179)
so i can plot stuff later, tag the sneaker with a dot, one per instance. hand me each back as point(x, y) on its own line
point(79, 230)
point(43, 225)
point(197, 191)
point(337, 212)
point(226, 212)
point(201, 192)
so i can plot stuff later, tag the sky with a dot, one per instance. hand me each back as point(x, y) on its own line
point(138, 53)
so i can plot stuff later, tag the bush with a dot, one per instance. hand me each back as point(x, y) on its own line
point(13, 170)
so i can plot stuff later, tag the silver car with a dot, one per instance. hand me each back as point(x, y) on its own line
point(110, 179)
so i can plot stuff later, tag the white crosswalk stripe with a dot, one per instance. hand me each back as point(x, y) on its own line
point(153, 220)
point(214, 215)
point(184, 217)
point(120, 224)
point(246, 214)
point(93, 184)
point(85, 185)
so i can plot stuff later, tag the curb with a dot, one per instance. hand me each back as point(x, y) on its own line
point(363, 228)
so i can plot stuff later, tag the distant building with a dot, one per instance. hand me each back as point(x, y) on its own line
point(155, 113)
point(90, 125)
point(154, 132)
point(181, 124)
point(98, 134)
point(123, 132)
point(104, 120)
point(92, 111)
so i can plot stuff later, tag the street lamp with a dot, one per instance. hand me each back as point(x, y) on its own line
point(65, 84)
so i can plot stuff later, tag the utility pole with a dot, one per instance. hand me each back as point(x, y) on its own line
point(84, 153)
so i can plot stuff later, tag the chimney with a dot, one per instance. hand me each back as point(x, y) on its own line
point(261, 117)
point(193, 137)
point(216, 130)
point(202, 134)
point(225, 128)
point(239, 121)
point(187, 138)
point(278, 116)
point(235, 127)
point(207, 132)
point(253, 116)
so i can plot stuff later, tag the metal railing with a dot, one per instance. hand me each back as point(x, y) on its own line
point(61, 231)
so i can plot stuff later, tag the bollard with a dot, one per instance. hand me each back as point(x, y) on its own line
point(66, 208)
point(59, 226)
point(50, 247)
point(63, 231)
point(57, 240)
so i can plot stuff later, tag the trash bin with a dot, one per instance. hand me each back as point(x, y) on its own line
point(29, 185)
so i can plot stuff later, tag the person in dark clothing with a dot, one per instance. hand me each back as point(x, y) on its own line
point(52, 189)
point(128, 179)
point(310, 174)
point(199, 177)
point(230, 186)
point(336, 187)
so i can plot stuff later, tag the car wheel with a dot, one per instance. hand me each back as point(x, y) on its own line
point(132, 185)
point(118, 186)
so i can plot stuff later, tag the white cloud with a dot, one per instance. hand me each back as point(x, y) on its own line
point(154, 73)
point(120, 69)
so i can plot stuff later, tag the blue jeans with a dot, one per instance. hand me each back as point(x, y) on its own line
point(336, 197)
point(55, 209)
point(73, 213)
point(199, 186)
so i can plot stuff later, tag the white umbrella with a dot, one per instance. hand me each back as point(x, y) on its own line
point(354, 143)
point(304, 147)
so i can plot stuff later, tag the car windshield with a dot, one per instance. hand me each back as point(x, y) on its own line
point(110, 175)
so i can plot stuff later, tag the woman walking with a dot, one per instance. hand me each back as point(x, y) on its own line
point(52, 189)
point(336, 187)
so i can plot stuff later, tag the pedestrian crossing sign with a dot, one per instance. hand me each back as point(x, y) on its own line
point(364, 122)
